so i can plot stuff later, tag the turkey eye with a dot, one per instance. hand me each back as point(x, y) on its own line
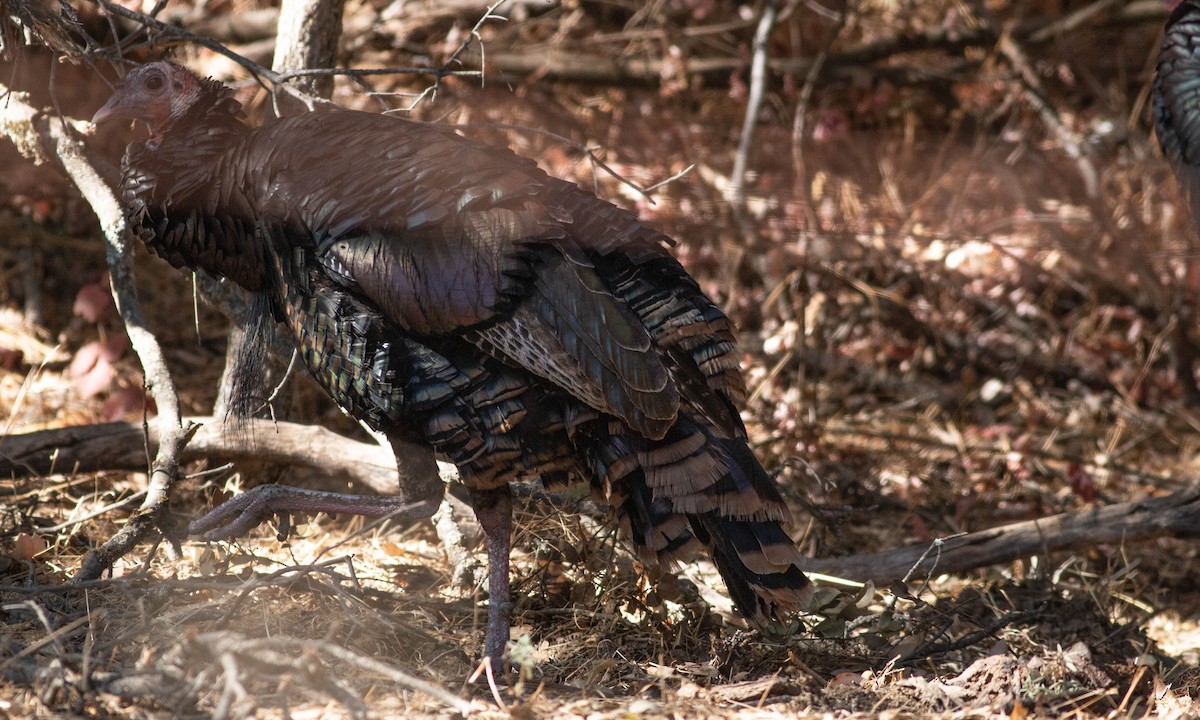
point(154, 83)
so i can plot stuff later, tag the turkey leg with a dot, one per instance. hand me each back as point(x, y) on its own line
point(493, 508)
point(420, 493)
point(253, 507)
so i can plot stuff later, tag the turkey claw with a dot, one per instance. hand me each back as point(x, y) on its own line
point(248, 510)
point(239, 515)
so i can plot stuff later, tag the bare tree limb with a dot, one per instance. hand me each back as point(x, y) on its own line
point(39, 137)
point(177, 32)
point(119, 446)
point(308, 38)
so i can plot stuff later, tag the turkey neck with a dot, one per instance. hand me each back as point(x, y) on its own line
point(173, 197)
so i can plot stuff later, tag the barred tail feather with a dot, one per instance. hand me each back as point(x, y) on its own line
point(759, 563)
point(693, 489)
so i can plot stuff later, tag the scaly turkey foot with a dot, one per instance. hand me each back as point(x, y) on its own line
point(238, 515)
point(494, 510)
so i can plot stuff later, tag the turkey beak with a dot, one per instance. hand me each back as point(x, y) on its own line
point(116, 107)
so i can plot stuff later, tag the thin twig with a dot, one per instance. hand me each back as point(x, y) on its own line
point(366, 72)
point(255, 69)
point(935, 547)
point(1072, 21)
point(488, 14)
point(1035, 95)
point(53, 636)
point(94, 514)
point(297, 650)
point(758, 80)
point(589, 152)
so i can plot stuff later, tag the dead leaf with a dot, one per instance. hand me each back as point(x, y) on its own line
point(846, 678)
point(27, 547)
point(93, 301)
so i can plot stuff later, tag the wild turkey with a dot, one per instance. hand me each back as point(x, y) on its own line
point(450, 293)
point(1177, 100)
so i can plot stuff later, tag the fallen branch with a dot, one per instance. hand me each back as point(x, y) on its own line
point(119, 446)
point(1175, 515)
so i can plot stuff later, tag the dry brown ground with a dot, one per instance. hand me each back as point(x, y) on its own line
point(952, 336)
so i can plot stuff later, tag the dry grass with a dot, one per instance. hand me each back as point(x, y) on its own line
point(263, 626)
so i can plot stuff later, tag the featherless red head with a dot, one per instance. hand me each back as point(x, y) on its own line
point(156, 93)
